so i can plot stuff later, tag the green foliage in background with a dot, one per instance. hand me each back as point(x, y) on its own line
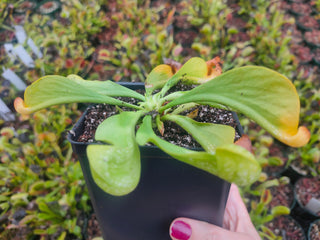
point(42, 191)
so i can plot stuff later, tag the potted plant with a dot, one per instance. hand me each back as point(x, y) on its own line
point(283, 227)
point(307, 193)
point(48, 7)
point(113, 167)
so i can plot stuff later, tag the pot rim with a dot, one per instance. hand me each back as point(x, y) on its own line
point(136, 85)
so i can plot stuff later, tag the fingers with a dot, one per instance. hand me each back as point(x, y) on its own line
point(188, 229)
point(236, 221)
point(236, 216)
point(235, 211)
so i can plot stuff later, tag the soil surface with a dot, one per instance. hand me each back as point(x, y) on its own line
point(282, 195)
point(173, 133)
point(287, 228)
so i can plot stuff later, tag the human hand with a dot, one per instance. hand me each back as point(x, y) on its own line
point(236, 222)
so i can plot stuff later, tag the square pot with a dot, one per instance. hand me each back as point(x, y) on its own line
point(167, 189)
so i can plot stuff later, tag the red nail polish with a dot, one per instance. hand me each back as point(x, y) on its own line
point(180, 230)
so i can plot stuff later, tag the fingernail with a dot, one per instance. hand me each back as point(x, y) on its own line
point(180, 230)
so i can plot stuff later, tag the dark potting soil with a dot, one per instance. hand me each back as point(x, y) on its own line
point(173, 133)
point(185, 37)
point(306, 189)
point(314, 233)
point(237, 23)
point(287, 228)
point(282, 195)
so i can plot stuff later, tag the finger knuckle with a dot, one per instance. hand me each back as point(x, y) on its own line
point(210, 236)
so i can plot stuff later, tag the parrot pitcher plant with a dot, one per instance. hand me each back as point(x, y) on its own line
point(263, 95)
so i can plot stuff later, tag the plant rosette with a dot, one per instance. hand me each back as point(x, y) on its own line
point(262, 94)
point(104, 54)
point(307, 194)
point(314, 230)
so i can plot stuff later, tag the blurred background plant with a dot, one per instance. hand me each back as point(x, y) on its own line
point(42, 191)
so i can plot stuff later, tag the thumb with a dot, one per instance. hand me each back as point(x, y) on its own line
point(189, 229)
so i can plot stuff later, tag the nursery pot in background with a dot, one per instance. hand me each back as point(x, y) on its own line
point(167, 189)
point(286, 227)
point(307, 195)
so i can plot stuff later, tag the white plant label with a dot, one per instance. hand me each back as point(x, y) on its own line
point(20, 34)
point(5, 112)
point(313, 205)
point(9, 50)
point(14, 79)
point(24, 56)
point(34, 48)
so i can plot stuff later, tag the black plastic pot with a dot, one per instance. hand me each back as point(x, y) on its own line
point(25, 6)
point(293, 173)
point(48, 7)
point(300, 209)
point(167, 189)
